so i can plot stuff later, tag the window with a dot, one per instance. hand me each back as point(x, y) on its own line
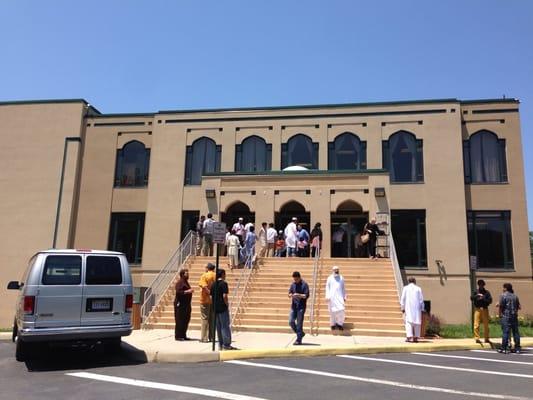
point(202, 157)
point(484, 158)
point(347, 152)
point(62, 270)
point(403, 158)
point(253, 155)
point(489, 238)
point(132, 165)
point(409, 233)
point(103, 270)
point(126, 235)
point(299, 150)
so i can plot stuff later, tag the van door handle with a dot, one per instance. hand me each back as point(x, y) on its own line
point(116, 313)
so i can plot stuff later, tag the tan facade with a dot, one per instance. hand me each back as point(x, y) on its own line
point(90, 198)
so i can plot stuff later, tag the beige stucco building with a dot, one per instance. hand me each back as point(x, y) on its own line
point(448, 176)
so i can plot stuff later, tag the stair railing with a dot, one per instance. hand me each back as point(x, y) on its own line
point(241, 288)
point(165, 277)
point(313, 289)
point(395, 266)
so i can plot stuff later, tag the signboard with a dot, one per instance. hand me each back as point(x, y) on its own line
point(473, 263)
point(219, 232)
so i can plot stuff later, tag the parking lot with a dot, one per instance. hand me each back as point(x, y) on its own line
point(92, 374)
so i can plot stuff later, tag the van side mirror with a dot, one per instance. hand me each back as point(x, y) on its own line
point(14, 285)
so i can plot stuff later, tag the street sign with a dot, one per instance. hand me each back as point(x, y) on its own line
point(473, 263)
point(219, 232)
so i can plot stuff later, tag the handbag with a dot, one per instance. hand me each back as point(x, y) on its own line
point(365, 238)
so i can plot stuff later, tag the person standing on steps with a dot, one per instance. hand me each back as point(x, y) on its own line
point(336, 297)
point(482, 299)
point(372, 229)
point(262, 236)
point(182, 305)
point(316, 238)
point(208, 236)
point(199, 235)
point(412, 304)
point(234, 246)
point(238, 228)
point(291, 237)
point(298, 293)
point(271, 240)
point(206, 310)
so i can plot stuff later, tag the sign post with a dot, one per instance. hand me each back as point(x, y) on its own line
point(219, 237)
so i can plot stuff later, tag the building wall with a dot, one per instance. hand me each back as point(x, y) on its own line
point(442, 126)
point(31, 155)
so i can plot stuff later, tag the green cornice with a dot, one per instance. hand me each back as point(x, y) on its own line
point(308, 172)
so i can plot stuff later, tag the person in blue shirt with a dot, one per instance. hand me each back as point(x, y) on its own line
point(299, 293)
point(303, 241)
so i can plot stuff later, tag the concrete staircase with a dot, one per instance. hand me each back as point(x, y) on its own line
point(372, 308)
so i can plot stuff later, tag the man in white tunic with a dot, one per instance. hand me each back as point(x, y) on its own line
point(412, 304)
point(336, 296)
point(291, 237)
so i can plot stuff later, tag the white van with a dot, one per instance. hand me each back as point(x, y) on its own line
point(73, 295)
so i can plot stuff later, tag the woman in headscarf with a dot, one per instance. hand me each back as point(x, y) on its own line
point(182, 305)
point(316, 238)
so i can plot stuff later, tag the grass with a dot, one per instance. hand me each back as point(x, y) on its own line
point(465, 331)
point(6, 329)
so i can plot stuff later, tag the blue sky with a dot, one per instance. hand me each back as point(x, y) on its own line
point(143, 56)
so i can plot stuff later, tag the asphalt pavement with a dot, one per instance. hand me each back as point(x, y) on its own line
point(91, 373)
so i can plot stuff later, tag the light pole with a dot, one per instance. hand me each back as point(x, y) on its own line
point(67, 139)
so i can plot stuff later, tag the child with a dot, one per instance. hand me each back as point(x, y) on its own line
point(280, 246)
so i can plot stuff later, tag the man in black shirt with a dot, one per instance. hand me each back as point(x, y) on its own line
point(482, 299)
point(220, 290)
point(299, 293)
point(508, 307)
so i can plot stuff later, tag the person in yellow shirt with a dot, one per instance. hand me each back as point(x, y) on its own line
point(206, 309)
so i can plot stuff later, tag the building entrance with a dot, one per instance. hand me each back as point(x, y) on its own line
point(347, 224)
point(290, 210)
point(234, 212)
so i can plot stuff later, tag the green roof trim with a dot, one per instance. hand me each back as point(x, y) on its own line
point(491, 101)
point(308, 172)
point(44, 101)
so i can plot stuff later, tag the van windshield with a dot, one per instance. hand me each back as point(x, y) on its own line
point(103, 270)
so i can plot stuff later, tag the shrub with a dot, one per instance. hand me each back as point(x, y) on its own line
point(433, 326)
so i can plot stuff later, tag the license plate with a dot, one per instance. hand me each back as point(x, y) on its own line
point(95, 305)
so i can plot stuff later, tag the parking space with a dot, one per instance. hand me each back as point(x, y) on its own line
point(92, 374)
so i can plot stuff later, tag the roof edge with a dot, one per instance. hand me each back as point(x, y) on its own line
point(43, 101)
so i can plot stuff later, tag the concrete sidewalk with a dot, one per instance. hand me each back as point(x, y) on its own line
point(158, 345)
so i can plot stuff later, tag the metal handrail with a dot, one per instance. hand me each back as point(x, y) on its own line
point(165, 277)
point(314, 290)
point(395, 266)
point(240, 289)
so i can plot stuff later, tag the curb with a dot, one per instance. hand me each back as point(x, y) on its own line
point(5, 336)
point(333, 351)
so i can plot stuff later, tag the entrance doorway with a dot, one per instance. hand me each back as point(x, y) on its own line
point(235, 211)
point(290, 210)
point(347, 223)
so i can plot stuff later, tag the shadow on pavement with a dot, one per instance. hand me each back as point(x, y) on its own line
point(60, 358)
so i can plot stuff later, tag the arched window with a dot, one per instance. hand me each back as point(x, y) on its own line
point(132, 165)
point(403, 157)
point(484, 158)
point(203, 156)
point(299, 150)
point(253, 155)
point(347, 152)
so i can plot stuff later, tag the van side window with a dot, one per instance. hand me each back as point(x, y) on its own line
point(62, 270)
point(103, 270)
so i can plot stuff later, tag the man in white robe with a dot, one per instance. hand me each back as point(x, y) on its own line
point(336, 297)
point(412, 305)
point(291, 237)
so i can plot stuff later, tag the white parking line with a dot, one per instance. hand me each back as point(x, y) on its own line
point(163, 386)
point(476, 371)
point(379, 381)
point(473, 358)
